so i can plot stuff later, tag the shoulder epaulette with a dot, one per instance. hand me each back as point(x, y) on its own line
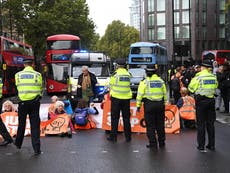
point(113, 73)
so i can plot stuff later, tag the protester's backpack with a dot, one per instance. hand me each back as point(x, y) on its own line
point(175, 84)
point(81, 117)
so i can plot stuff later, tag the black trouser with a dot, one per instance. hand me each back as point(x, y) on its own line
point(226, 102)
point(30, 108)
point(205, 116)
point(3, 131)
point(155, 120)
point(122, 105)
point(176, 96)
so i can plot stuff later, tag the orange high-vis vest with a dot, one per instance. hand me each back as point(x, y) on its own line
point(188, 111)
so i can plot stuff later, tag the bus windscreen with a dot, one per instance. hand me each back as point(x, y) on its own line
point(63, 45)
point(141, 50)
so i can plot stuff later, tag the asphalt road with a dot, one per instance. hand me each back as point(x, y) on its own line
point(90, 152)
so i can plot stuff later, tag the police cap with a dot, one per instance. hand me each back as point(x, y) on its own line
point(207, 63)
point(151, 68)
point(121, 61)
point(27, 61)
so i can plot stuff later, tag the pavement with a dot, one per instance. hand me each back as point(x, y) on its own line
point(89, 152)
point(223, 117)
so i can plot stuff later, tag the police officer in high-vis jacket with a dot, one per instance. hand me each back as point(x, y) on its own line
point(152, 92)
point(121, 94)
point(203, 85)
point(3, 131)
point(29, 87)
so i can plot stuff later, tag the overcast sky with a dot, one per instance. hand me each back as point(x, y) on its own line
point(103, 12)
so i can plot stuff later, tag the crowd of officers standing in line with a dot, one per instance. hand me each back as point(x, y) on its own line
point(201, 81)
point(152, 92)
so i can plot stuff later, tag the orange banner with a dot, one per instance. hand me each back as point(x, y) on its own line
point(54, 126)
point(57, 125)
point(172, 121)
point(10, 119)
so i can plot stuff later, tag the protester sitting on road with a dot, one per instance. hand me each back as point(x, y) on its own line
point(51, 108)
point(60, 109)
point(81, 115)
point(82, 104)
point(7, 107)
point(186, 106)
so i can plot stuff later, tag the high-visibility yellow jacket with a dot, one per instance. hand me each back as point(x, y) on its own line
point(28, 83)
point(152, 88)
point(204, 84)
point(120, 84)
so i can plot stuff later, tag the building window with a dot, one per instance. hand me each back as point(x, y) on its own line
point(204, 18)
point(150, 5)
point(185, 4)
point(151, 34)
point(160, 5)
point(177, 32)
point(176, 4)
point(222, 32)
point(222, 4)
point(185, 17)
point(176, 17)
point(222, 19)
point(204, 32)
point(161, 19)
point(161, 33)
point(151, 19)
point(204, 4)
point(185, 31)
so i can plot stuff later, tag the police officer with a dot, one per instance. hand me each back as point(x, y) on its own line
point(121, 94)
point(152, 91)
point(203, 85)
point(3, 131)
point(29, 87)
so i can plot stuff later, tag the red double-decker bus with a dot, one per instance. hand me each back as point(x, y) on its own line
point(58, 53)
point(220, 56)
point(12, 54)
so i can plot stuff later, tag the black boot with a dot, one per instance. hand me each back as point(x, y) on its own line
point(152, 146)
point(5, 143)
point(112, 138)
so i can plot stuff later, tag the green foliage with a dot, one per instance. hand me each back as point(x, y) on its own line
point(117, 39)
point(38, 19)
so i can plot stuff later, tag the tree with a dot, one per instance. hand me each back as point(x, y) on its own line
point(117, 39)
point(37, 19)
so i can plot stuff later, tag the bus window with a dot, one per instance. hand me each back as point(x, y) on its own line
point(225, 55)
point(146, 50)
point(63, 45)
point(58, 71)
point(210, 56)
point(135, 50)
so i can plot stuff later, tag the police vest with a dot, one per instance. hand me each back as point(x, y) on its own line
point(187, 111)
point(152, 89)
point(1, 85)
point(120, 84)
point(29, 84)
point(204, 84)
